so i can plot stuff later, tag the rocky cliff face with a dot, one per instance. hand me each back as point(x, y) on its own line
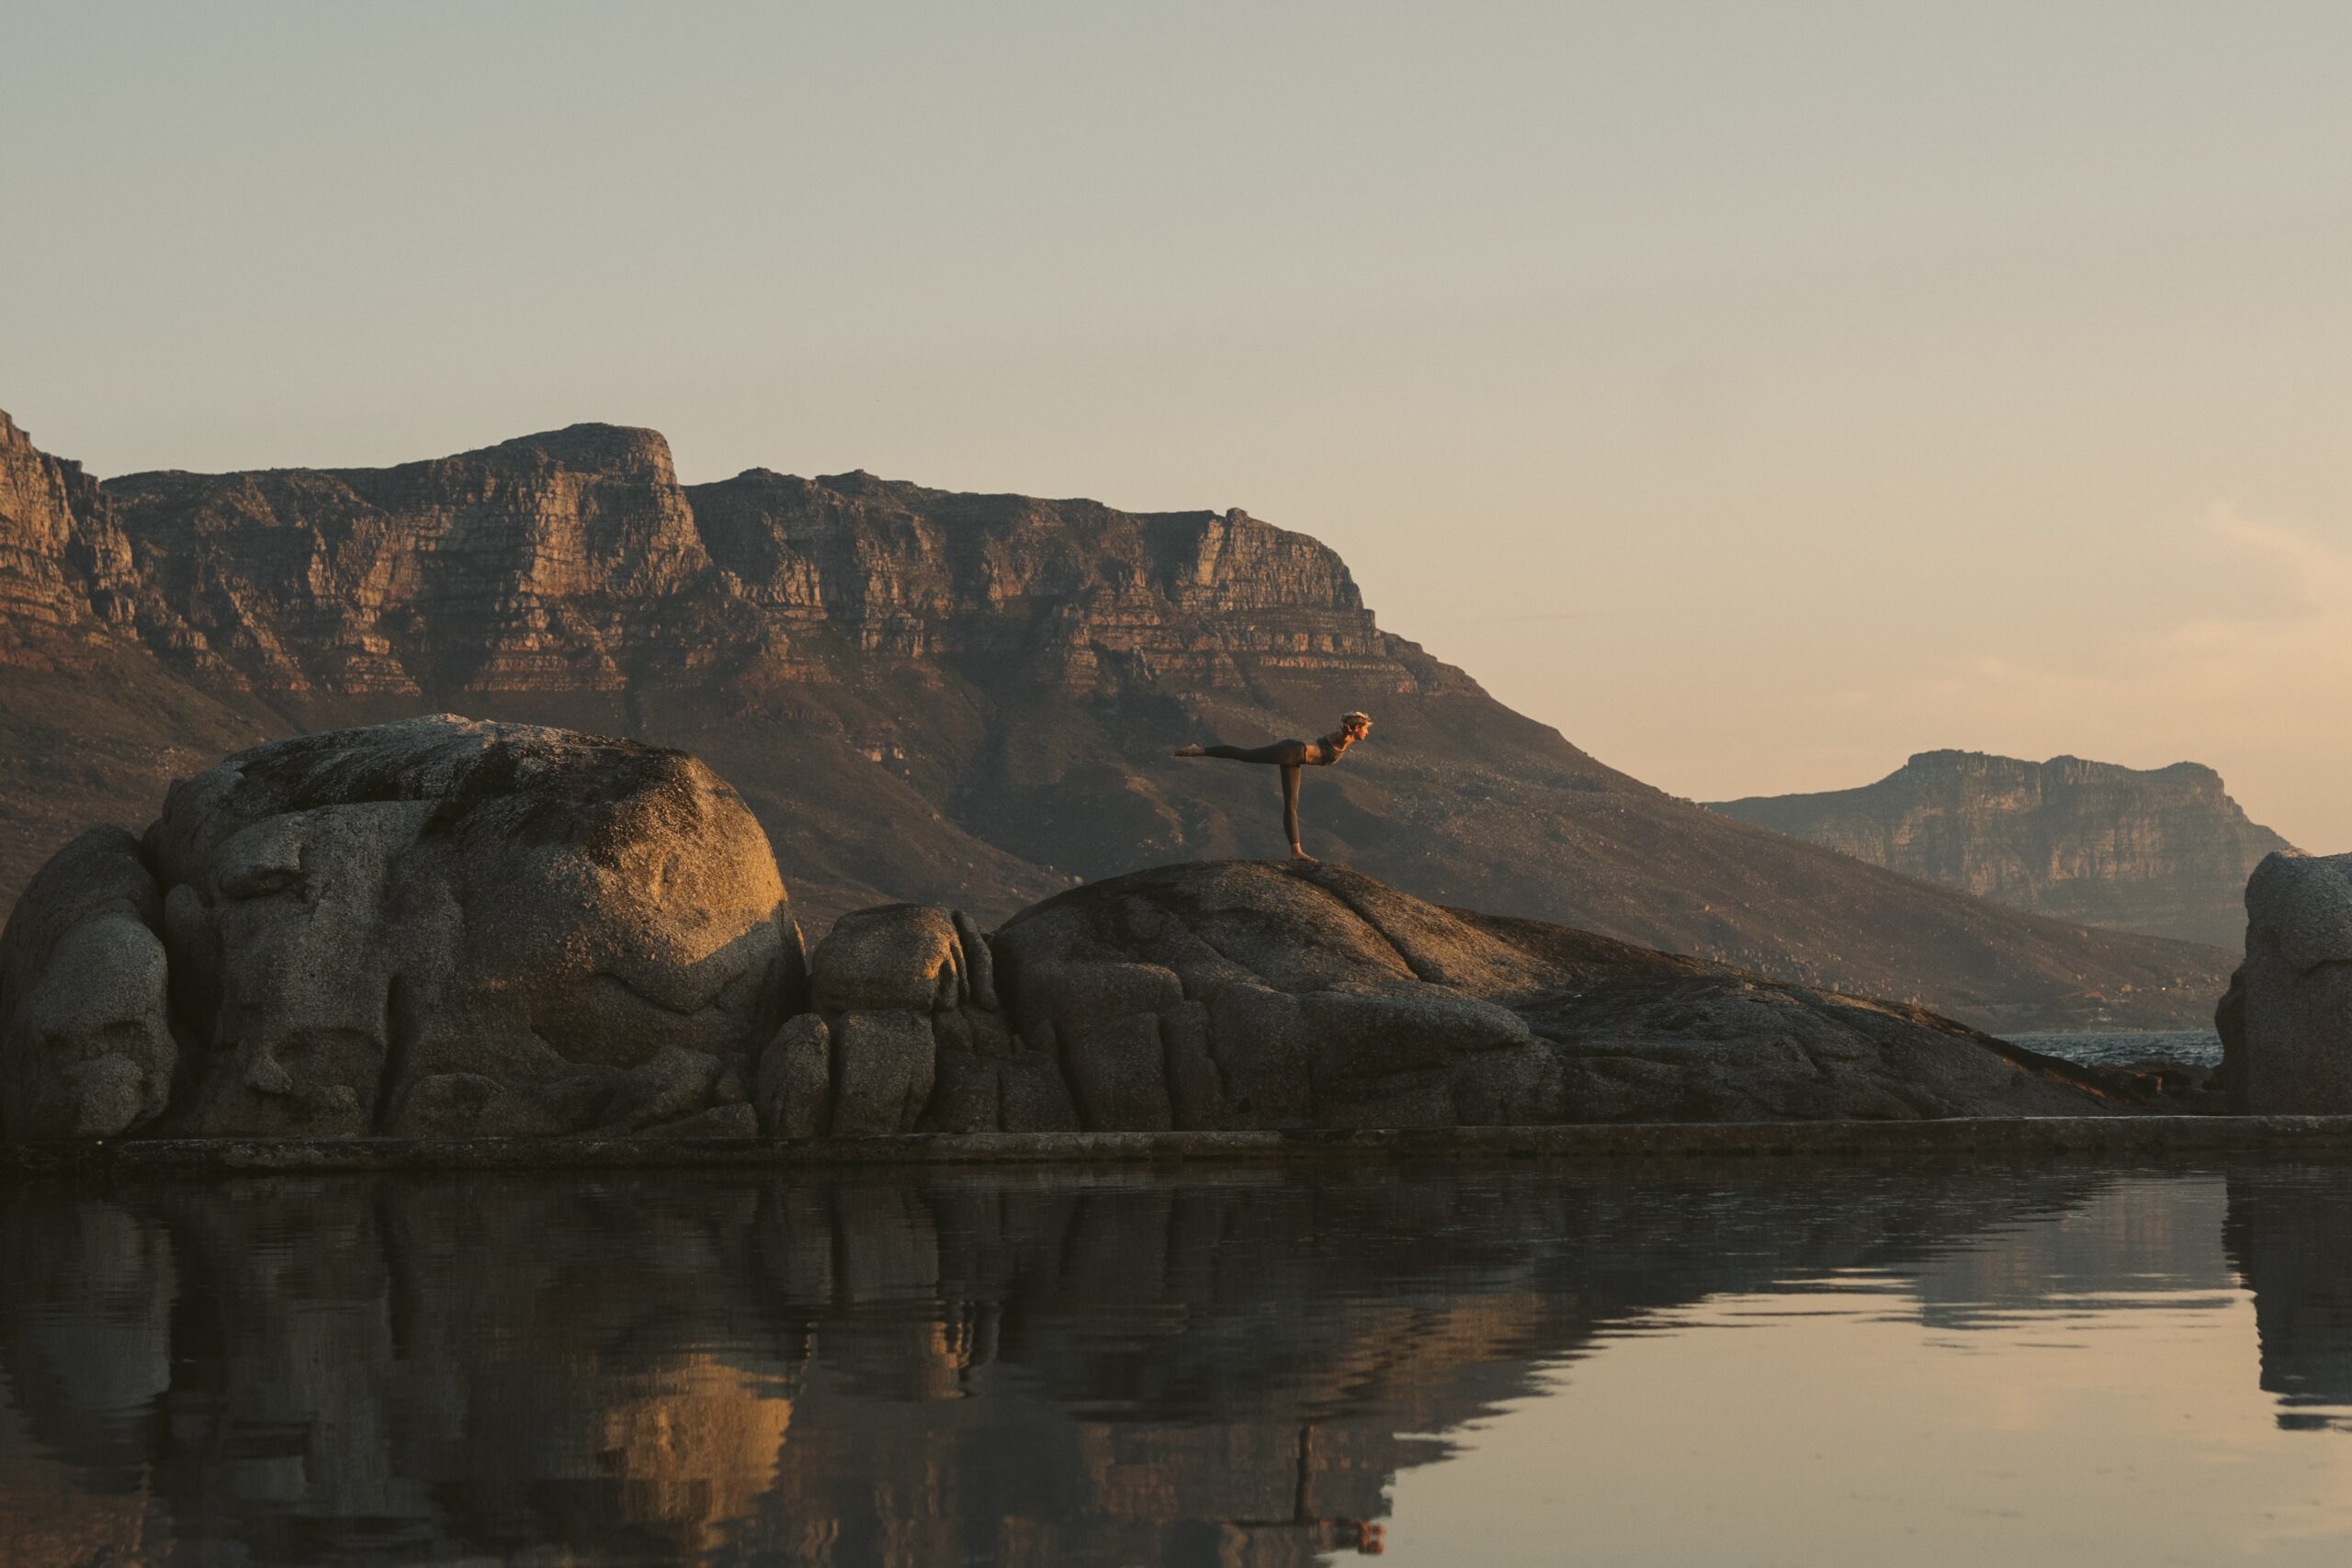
point(960, 699)
point(2163, 850)
point(574, 563)
point(64, 564)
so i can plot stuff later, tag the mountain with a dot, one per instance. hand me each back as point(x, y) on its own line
point(966, 699)
point(2163, 850)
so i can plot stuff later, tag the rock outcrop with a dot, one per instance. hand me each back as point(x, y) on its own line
point(2163, 850)
point(907, 1037)
point(1270, 995)
point(66, 577)
point(2293, 1011)
point(964, 700)
point(1241, 994)
point(443, 928)
point(86, 1047)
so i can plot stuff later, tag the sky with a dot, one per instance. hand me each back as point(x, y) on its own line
point(1758, 392)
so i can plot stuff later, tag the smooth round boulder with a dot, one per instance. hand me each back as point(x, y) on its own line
point(443, 927)
point(1241, 994)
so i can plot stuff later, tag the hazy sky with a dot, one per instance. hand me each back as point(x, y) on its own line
point(1759, 392)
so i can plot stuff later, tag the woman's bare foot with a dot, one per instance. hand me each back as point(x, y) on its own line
point(1298, 853)
point(1190, 751)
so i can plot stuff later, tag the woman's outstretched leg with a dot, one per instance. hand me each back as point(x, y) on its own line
point(1281, 751)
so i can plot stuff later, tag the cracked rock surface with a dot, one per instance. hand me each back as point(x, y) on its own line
point(444, 927)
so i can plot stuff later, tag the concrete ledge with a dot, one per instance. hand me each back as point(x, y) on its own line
point(2137, 1137)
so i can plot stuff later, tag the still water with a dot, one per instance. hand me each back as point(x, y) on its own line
point(1755, 1363)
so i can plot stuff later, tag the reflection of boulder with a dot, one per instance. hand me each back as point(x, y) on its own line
point(923, 1367)
point(697, 1447)
point(2290, 1236)
point(441, 928)
point(406, 1375)
point(2296, 1012)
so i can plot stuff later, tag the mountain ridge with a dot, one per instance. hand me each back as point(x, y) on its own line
point(924, 693)
point(2163, 850)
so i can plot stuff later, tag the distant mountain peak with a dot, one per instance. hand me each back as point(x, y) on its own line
point(2159, 849)
point(589, 447)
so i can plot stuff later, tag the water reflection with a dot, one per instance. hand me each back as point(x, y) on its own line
point(943, 1367)
point(2290, 1236)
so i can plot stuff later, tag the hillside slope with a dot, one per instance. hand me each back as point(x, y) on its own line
point(962, 698)
point(2163, 850)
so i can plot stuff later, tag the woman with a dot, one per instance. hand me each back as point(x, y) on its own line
point(1290, 756)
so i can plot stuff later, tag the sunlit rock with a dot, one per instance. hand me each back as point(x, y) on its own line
point(443, 928)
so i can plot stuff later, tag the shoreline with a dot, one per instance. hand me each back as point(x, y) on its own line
point(2131, 1135)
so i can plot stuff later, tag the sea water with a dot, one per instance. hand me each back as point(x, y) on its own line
point(2197, 1047)
point(1754, 1362)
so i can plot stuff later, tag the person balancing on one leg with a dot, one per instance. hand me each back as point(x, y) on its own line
point(1290, 756)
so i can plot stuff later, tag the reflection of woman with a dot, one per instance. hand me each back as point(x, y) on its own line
point(1324, 1532)
point(1290, 756)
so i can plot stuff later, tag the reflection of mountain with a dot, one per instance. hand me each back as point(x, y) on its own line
point(2290, 1236)
point(912, 1369)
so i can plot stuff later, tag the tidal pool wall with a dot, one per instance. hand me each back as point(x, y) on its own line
point(2145, 1137)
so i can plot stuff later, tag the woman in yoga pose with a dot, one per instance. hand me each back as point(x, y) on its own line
point(1290, 756)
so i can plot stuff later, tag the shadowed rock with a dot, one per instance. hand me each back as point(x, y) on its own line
point(908, 1038)
point(85, 1039)
point(2297, 1006)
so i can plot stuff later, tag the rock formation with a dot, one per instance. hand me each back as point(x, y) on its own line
point(86, 1047)
point(908, 1036)
point(962, 700)
point(2288, 1010)
point(2163, 850)
point(444, 927)
point(433, 928)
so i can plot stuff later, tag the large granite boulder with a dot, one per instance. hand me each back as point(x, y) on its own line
point(1244, 994)
point(443, 928)
point(1247, 994)
point(87, 1049)
point(2294, 1019)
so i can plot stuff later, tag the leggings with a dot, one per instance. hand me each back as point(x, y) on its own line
point(1287, 755)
